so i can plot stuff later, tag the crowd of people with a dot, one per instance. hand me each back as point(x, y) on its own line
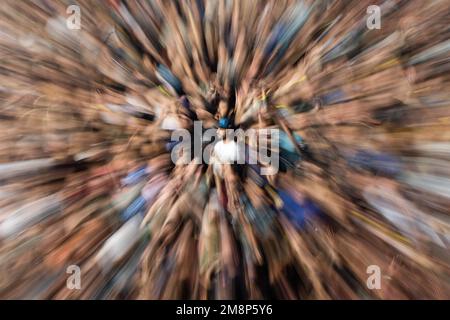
point(86, 177)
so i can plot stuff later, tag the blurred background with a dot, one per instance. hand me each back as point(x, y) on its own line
point(92, 207)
